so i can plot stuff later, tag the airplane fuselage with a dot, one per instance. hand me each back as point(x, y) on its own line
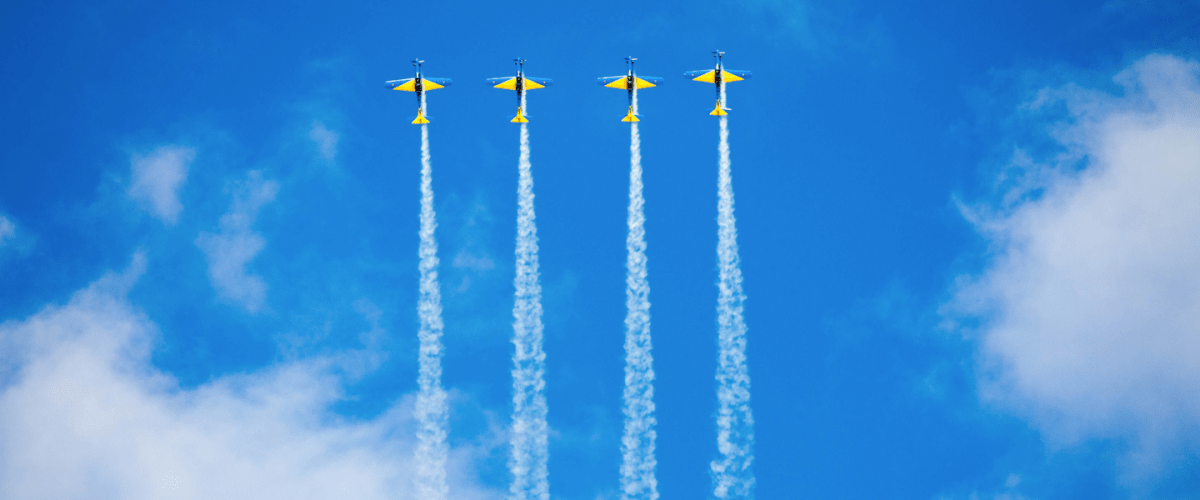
point(720, 82)
point(631, 85)
point(419, 89)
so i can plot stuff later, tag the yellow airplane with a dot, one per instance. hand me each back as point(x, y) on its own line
point(630, 82)
point(719, 76)
point(418, 84)
point(520, 83)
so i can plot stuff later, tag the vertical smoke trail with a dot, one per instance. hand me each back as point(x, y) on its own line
point(430, 410)
point(638, 481)
point(732, 475)
point(529, 431)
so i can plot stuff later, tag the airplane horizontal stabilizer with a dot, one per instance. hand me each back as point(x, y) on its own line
point(630, 117)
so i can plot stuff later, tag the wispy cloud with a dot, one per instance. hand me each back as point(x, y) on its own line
point(84, 415)
point(821, 29)
point(156, 178)
point(1090, 306)
point(465, 259)
point(7, 230)
point(1008, 492)
point(325, 139)
point(473, 263)
point(231, 249)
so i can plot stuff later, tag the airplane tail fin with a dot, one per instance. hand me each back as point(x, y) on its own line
point(520, 117)
point(630, 117)
point(718, 111)
point(420, 119)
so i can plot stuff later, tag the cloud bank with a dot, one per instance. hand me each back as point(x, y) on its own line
point(156, 178)
point(1089, 307)
point(84, 415)
point(231, 250)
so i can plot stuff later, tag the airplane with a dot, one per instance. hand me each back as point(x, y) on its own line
point(520, 83)
point(631, 82)
point(418, 84)
point(720, 76)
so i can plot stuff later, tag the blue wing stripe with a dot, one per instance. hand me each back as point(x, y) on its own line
point(445, 82)
point(544, 81)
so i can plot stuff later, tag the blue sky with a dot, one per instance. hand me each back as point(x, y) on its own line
point(964, 232)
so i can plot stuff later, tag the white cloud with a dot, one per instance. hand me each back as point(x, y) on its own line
point(1009, 492)
point(7, 230)
point(468, 260)
point(231, 250)
point(1090, 305)
point(156, 179)
point(84, 415)
point(325, 139)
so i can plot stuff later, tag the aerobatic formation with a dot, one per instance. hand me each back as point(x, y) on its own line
point(731, 471)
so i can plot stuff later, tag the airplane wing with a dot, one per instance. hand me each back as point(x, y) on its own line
point(622, 82)
point(405, 84)
point(703, 75)
point(437, 83)
point(616, 82)
point(504, 82)
point(533, 82)
point(733, 75)
point(510, 83)
point(645, 82)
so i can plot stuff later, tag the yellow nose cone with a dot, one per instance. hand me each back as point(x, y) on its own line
point(520, 117)
point(718, 111)
point(420, 120)
point(630, 117)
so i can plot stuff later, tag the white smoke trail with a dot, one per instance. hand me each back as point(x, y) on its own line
point(529, 432)
point(638, 481)
point(732, 475)
point(430, 409)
